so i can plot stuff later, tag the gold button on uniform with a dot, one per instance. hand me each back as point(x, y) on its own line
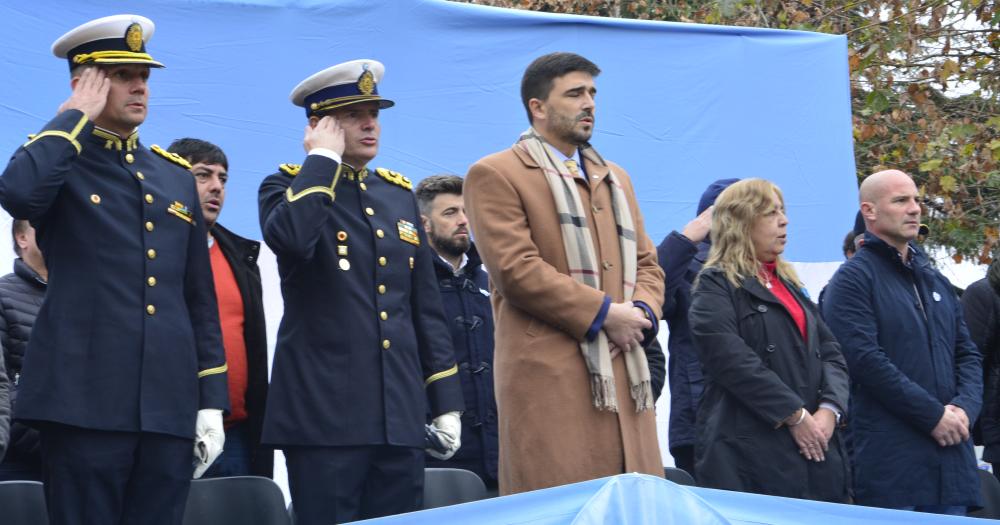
point(140, 176)
point(129, 158)
point(149, 199)
point(95, 198)
point(151, 253)
point(151, 281)
point(594, 208)
point(383, 316)
point(379, 233)
point(369, 211)
point(381, 288)
point(150, 309)
point(606, 265)
point(386, 344)
point(149, 226)
point(363, 186)
point(381, 261)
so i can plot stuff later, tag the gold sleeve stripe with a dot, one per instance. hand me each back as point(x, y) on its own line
point(71, 136)
point(441, 375)
point(292, 197)
point(214, 371)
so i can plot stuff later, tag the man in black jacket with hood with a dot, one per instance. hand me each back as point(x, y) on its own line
point(239, 293)
point(681, 255)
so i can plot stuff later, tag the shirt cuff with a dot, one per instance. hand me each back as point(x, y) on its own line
point(328, 153)
point(832, 407)
point(598, 323)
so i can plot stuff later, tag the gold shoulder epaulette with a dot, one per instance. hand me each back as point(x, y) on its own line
point(172, 157)
point(394, 177)
point(290, 169)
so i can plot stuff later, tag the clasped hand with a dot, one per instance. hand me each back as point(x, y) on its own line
point(624, 325)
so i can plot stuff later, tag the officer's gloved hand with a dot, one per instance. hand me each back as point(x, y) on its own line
point(209, 437)
point(448, 428)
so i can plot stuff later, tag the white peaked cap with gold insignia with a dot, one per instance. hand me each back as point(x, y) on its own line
point(116, 39)
point(341, 85)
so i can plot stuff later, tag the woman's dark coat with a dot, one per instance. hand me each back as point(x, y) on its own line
point(759, 371)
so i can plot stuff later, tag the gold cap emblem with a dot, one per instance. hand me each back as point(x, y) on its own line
point(133, 37)
point(366, 82)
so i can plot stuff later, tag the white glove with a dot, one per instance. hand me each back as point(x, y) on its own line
point(449, 428)
point(209, 437)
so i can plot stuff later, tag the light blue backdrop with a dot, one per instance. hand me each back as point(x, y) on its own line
point(679, 105)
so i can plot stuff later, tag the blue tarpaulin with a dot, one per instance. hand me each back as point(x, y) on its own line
point(637, 499)
point(679, 105)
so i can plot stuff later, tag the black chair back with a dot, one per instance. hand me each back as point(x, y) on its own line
point(23, 503)
point(991, 497)
point(451, 486)
point(679, 476)
point(241, 500)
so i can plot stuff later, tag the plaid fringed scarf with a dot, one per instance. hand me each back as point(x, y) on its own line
point(584, 268)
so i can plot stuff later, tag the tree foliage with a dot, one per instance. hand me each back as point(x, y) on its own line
point(924, 90)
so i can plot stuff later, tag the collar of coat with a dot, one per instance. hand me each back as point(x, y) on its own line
point(443, 269)
point(874, 244)
point(759, 292)
point(22, 270)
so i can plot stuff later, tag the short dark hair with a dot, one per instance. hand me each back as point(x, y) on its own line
point(18, 226)
point(537, 79)
point(432, 186)
point(849, 246)
point(197, 150)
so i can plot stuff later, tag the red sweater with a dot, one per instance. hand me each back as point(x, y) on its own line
point(227, 292)
point(786, 298)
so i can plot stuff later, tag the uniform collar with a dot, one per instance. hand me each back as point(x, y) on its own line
point(112, 140)
point(350, 173)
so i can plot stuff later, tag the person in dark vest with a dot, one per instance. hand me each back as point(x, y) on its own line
point(241, 315)
point(21, 294)
point(363, 351)
point(124, 375)
point(464, 288)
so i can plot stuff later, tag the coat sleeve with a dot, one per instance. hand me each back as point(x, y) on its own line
point(848, 311)
point(836, 387)
point(294, 209)
point(728, 361)
point(36, 172)
point(437, 355)
point(968, 369)
point(657, 367)
point(675, 254)
point(516, 268)
point(203, 309)
point(979, 305)
point(5, 408)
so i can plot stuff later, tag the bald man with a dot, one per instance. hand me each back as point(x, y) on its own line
point(917, 376)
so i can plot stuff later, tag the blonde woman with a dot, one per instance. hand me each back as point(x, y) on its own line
point(775, 381)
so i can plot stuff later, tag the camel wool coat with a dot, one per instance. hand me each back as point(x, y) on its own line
point(550, 433)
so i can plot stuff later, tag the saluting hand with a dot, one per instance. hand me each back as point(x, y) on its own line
point(90, 93)
point(326, 134)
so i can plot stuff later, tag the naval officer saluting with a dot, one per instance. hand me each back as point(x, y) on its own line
point(125, 364)
point(363, 346)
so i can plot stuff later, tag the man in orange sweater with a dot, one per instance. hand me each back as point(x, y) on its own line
point(241, 315)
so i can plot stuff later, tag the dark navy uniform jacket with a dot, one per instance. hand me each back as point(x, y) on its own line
point(128, 336)
point(363, 346)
